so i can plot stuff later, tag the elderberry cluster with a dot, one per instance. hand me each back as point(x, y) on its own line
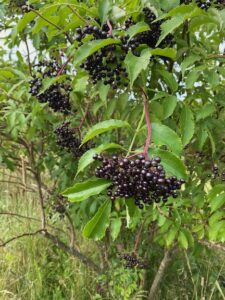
point(205, 4)
point(216, 173)
point(142, 179)
point(57, 95)
point(132, 262)
point(105, 64)
point(66, 140)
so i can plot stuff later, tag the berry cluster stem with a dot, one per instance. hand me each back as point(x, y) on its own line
point(64, 65)
point(148, 122)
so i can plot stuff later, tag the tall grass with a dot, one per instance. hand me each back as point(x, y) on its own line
point(32, 268)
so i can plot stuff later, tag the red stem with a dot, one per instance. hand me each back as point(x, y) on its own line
point(64, 65)
point(110, 27)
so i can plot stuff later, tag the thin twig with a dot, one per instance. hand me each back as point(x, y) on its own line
point(110, 28)
point(20, 236)
point(138, 237)
point(76, 13)
point(28, 56)
point(51, 23)
point(64, 65)
point(73, 235)
point(212, 245)
point(215, 56)
point(5, 213)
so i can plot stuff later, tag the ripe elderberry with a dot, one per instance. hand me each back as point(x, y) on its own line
point(131, 261)
point(142, 179)
point(66, 140)
point(57, 95)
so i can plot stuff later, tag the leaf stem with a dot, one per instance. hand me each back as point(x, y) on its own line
point(148, 122)
point(136, 133)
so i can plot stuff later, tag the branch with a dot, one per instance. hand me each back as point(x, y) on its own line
point(84, 259)
point(20, 236)
point(159, 275)
point(73, 235)
point(212, 245)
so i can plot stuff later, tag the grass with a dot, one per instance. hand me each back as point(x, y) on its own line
point(32, 268)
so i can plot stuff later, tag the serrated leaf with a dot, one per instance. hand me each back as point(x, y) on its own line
point(169, 104)
point(115, 228)
point(217, 197)
point(103, 10)
point(166, 52)
point(171, 235)
point(205, 111)
point(187, 124)
point(96, 227)
point(182, 239)
point(91, 47)
point(172, 164)
point(87, 158)
point(103, 127)
point(26, 19)
point(163, 135)
point(137, 28)
point(188, 61)
point(169, 26)
point(84, 190)
point(136, 64)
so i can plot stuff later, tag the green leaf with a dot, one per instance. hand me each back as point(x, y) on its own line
point(87, 158)
point(115, 228)
point(171, 235)
point(172, 164)
point(205, 111)
point(217, 197)
point(26, 19)
point(163, 135)
point(96, 227)
point(167, 52)
point(169, 104)
point(104, 127)
point(136, 64)
point(182, 239)
point(47, 82)
point(188, 61)
point(187, 124)
point(91, 47)
point(137, 28)
point(103, 10)
point(169, 26)
point(169, 79)
point(84, 190)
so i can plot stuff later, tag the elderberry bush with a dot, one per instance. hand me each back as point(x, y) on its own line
point(142, 179)
point(66, 140)
point(132, 261)
point(57, 95)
